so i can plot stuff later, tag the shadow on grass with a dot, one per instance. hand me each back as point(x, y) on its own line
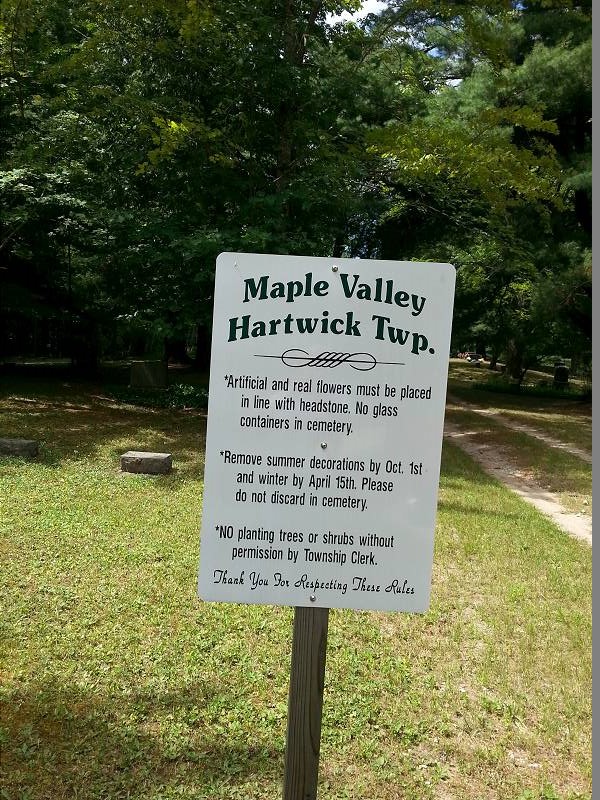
point(60, 742)
point(459, 470)
point(87, 426)
point(576, 406)
point(556, 469)
point(482, 513)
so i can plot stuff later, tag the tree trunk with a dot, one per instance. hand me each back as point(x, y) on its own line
point(85, 346)
point(176, 351)
point(338, 246)
point(514, 361)
point(203, 342)
point(296, 29)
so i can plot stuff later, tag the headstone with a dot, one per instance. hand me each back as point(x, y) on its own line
point(148, 375)
point(561, 375)
point(23, 448)
point(143, 463)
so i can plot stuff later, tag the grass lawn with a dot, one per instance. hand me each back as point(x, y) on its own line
point(563, 474)
point(568, 420)
point(117, 682)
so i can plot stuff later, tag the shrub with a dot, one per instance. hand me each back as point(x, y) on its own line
point(178, 395)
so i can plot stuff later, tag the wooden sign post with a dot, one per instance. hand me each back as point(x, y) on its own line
point(305, 706)
point(325, 419)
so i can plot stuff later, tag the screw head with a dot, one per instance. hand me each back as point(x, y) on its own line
point(312, 598)
point(324, 445)
point(335, 268)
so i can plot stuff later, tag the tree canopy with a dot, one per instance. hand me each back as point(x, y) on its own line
point(140, 140)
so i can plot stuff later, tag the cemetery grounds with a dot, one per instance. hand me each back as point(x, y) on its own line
point(117, 682)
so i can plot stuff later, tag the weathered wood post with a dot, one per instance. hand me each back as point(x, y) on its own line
point(305, 705)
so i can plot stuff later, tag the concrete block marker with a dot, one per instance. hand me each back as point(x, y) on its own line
point(146, 463)
point(22, 448)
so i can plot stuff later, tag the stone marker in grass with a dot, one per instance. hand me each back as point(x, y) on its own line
point(146, 463)
point(22, 448)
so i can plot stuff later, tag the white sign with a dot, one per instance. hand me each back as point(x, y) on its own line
point(325, 416)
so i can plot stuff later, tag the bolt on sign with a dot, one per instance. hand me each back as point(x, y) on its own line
point(326, 409)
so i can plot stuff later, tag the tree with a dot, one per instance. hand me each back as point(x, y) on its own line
point(177, 132)
point(146, 138)
point(488, 175)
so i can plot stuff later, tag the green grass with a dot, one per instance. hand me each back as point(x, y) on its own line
point(556, 470)
point(176, 395)
point(572, 426)
point(117, 682)
point(567, 420)
point(568, 423)
point(535, 383)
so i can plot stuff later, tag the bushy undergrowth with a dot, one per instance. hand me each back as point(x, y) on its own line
point(178, 395)
point(502, 386)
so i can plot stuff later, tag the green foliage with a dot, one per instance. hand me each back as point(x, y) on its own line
point(503, 386)
point(144, 140)
point(494, 177)
point(177, 395)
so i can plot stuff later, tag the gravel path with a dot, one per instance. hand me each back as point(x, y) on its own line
point(518, 426)
point(546, 502)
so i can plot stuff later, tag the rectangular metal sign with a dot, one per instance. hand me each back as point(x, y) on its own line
point(325, 419)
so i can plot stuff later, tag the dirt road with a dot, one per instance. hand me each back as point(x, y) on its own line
point(577, 525)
